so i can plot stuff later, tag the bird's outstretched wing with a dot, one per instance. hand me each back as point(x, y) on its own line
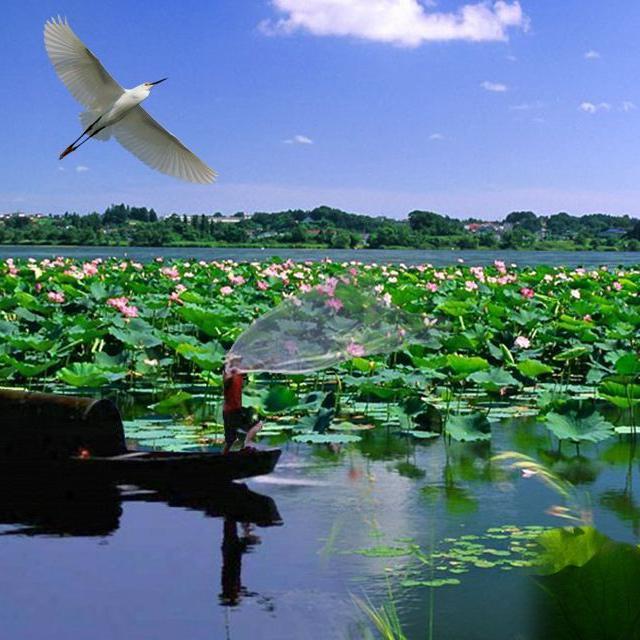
point(84, 76)
point(155, 146)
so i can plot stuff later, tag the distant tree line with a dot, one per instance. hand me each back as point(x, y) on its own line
point(121, 224)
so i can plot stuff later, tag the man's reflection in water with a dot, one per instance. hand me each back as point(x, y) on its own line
point(233, 547)
point(85, 506)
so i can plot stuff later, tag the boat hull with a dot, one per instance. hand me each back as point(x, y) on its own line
point(138, 467)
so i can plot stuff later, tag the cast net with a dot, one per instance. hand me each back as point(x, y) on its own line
point(334, 322)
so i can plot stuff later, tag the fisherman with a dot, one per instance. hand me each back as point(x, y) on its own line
point(237, 419)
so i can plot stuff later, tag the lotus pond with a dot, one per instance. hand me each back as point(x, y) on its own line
point(476, 485)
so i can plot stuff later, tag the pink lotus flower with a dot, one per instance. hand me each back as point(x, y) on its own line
point(334, 303)
point(432, 286)
point(575, 293)
point(355, 350)
point(291, 346)
point(522, 342)
point(617, 286)
point(175, 296)
point(226, 291)
point(122, 305)
point(117, 303)
point(525, 292)
point(469, 285)
point(262, 285)
point(89, 269)
point(171, 273)
point(305, 288)
point(236, 280)
point(328, 287)
point(55, 296)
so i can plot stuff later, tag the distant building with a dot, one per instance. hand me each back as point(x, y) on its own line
point(614, 233)
point(22, 215)
point(485, 227)
point(230, 219)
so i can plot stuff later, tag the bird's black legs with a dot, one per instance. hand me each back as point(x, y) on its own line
point(73, 146)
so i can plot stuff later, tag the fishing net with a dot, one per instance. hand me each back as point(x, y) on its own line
point(333, 322)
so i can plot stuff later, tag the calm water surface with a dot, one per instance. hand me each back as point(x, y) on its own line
point(439, 258)
point(273, 560)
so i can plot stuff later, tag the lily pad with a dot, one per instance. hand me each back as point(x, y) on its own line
point(326, 438)
point(579, 427)
point(471, 428)
point(437, 582)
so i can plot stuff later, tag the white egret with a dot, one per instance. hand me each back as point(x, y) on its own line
point(112, 110)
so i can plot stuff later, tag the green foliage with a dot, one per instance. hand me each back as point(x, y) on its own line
point(590, 587)
point(173, 404)
point(533, 368)
point(579, 426)
point(326, 438)
point(86, 374)
point(469, 428)
point(280, 398)
point(139, 226)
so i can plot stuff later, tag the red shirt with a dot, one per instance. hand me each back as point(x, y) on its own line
point(233, 392)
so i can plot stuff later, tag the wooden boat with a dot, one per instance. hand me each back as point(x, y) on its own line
point(137, 466)
point(73, 434)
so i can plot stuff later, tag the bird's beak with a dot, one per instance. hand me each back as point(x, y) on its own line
point(158, 81)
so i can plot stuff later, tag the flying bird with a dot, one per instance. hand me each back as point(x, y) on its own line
point(114, 111)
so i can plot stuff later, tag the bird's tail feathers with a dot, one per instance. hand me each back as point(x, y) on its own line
point(87, 118)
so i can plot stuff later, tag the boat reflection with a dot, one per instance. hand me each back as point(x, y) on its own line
point(33, 505)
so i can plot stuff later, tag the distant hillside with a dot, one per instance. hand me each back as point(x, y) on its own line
point(323, 226)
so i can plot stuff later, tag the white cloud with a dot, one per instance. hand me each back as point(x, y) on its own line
point(436, 136)
point(81, 168)
point(299, 139)
point(496, 87)
point(590, 107)
point(627, 106)
point(405, 23)
point(592, 55)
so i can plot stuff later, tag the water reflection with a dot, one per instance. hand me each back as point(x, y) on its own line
point(592, 587)
point(92, 506)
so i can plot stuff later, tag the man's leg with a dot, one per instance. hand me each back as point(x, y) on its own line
point(251, 434)
point(230, 436)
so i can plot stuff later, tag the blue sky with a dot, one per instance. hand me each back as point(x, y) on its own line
point(373, 106)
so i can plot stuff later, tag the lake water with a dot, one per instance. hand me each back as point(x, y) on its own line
point(275, 560)
point(439, 258)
